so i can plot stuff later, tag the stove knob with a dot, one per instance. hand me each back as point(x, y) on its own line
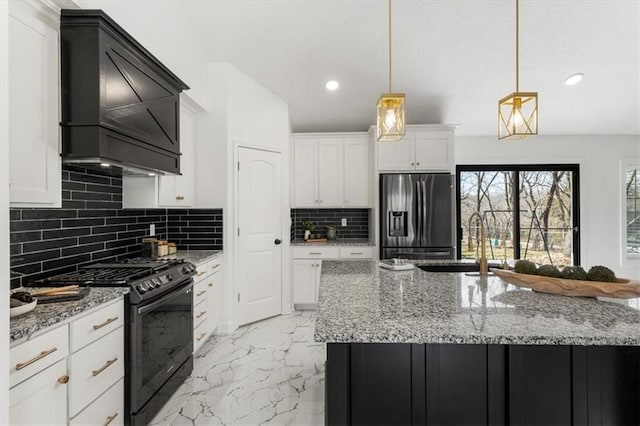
point(143, 287)
point(157, 282)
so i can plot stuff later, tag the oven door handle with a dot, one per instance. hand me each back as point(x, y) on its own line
point(184, 290)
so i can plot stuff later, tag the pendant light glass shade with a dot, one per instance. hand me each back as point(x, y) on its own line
point(518, 112)
point(390, 117)
point(518, 116)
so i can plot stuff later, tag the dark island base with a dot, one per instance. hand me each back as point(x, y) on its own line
point(447, 384)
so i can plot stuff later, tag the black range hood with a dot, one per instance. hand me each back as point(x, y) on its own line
point(120, 104)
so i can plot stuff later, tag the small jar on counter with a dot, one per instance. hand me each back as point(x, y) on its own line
point(163, 248)
point(172, 248)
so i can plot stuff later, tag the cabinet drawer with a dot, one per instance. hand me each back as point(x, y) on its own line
point(316, 252)
point(200, 334)
point(200, 292)
point(28, 358)
point(94, 369)
point(215, 265)
point(356, 252)
point(202, 272)
point(108, 409)
point(200, 313)
point(93, 326)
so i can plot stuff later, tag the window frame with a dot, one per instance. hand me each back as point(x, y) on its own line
point(625, 256)
point(574, 168)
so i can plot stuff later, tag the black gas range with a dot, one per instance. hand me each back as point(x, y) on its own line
point(158, 326)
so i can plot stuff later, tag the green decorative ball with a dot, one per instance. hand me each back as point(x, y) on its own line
point(549, 271)
point(573, 273)
point(525, 267)
point(601, 273)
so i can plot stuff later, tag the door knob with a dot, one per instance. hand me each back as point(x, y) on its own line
point(277, 241)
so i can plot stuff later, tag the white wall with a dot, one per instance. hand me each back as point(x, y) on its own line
point(241, 113)
point(4, 212)
point(164, 29)
point(600, 159)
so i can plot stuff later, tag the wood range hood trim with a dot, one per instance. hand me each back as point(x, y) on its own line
point(120, 104)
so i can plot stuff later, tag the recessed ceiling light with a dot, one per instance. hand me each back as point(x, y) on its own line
point(105, 164)
point(574, 79)
point(332, 85)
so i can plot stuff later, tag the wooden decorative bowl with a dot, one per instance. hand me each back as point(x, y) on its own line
point(621, 289)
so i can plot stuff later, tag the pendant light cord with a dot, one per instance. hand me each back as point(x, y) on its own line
point(389, 46)
point(517, 49)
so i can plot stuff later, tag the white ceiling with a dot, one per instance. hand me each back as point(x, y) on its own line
point(453, 58)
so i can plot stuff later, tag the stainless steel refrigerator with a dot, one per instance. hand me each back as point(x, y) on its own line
point(417, 216)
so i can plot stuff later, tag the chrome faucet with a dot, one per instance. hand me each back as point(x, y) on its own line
point(484, 266)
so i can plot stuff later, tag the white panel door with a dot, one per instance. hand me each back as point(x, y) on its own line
point(434, 152)
point(305, 173)
point(330, 166)
point(35, 165)
point(304, 280)
point(260, 234)
point(356, 172)
point(41, 399)
point(398, 155)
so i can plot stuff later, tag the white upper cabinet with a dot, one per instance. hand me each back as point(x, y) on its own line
point(330, 180)
point(331, 170)
point(424, 149)
point(34, 106)
point(356, 172)
point(305, 173)
point(177, 191)
point(168, 191)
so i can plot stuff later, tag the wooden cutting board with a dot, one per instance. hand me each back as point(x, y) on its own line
point(622, 289)
point(82, 292)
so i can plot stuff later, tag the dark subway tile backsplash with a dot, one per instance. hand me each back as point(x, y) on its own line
point(357, 222)
point(91, 226)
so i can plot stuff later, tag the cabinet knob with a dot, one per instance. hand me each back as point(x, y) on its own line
point(63, 380)
point(413, 164)
point(179, 197)
point(418, 163)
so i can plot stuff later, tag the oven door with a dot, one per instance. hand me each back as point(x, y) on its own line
point(161, 339)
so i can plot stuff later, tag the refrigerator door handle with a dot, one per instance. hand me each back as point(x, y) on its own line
point(418, 236)
point(425, 229)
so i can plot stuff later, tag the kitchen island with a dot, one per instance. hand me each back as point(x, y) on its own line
point(413, 347)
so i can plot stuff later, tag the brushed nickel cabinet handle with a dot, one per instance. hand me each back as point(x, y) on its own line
point(63, 380)
point(110, 419)
point(217, 265)
point(356, 252)
point(314, 253)
point(179, 197)
point(210, 284)
point(200, 274)
point(200, 293)
point(21, 365)
point(201, 336)
point(107, 322)
point(200, 314)
point(105, 366)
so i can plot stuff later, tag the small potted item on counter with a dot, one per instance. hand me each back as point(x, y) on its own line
point(163, 248)
point(172, 248)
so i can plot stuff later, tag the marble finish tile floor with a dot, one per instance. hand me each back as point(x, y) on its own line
point(267, 373)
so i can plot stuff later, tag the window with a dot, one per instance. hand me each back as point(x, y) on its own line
point(632, 222)
point(528, 211)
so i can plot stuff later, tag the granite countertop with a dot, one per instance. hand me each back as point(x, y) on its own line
point(361, 302)
point(195, 256)
point(48, 314)
point(338, 242)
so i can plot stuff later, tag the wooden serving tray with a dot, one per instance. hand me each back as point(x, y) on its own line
point(622, 289)
point(318, 240)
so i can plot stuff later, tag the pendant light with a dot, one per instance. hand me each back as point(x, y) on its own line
point(518, 112)
point(390, 123)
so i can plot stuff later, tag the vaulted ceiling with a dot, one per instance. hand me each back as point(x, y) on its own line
point(453, 58)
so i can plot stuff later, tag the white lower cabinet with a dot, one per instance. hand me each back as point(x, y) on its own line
point(106, 410)
point(42, 399)
point(78, 381)
point(307, 265)
point(206, 300)
point(94, 369)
